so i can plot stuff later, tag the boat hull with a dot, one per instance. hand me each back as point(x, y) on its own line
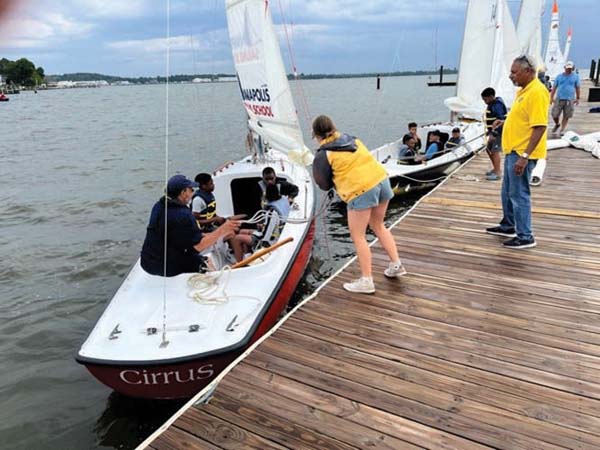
point(428, 174)
point(186, 378)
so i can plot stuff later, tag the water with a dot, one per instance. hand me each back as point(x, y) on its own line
point(80, 171)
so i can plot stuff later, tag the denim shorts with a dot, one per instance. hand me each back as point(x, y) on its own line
point(373, 197)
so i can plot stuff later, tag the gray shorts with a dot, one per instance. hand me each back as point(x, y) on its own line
point(564, 106)
point(496, 145)
point(373, 197)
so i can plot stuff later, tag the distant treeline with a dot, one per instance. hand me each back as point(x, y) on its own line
point(86, 76)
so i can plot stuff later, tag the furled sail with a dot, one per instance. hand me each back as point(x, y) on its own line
point(529, 29)
point(489, 46)
point(262, 78)
point(568, 44)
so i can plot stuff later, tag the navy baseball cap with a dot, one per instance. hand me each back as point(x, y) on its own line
point(178, 183)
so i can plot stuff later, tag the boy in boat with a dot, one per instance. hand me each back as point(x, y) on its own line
point(285, 188)
point(184, 240)
point(407, 153)
point(455, 141)
point(204, 209)
point(204, 204)
point(412, 132)
point(433, 147)
point(496, 110)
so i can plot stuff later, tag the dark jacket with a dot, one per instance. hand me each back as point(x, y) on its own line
point(182, 235)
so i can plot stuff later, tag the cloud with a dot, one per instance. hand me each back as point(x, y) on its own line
point(208, 41)
point(118, 9)
point(37, 33)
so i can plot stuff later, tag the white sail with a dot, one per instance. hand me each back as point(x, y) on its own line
point(529, 29)
point(489, 46)
point(568, 44)
point(261, 76)
point(554, 59)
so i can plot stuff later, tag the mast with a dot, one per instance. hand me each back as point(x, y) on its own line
point(554, 59)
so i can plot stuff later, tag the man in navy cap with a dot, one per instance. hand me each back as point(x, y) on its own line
point(184, 240)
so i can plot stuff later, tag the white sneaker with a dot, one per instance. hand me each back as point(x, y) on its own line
point(362, 286)
point(395, 270)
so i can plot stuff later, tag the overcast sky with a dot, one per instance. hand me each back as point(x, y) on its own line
point(127, 37)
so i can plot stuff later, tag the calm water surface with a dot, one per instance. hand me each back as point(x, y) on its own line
point(80, 170)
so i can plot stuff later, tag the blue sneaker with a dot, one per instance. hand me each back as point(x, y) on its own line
point(492, 177)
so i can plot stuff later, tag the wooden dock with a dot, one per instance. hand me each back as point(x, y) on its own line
point(477, 347)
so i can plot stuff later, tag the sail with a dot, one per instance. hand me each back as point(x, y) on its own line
point(568, 45)
point(261, 75)
point(489, 46)
point(529, 29)
point(554, 59)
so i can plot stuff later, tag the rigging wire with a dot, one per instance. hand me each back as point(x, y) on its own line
point(301, 94)
point(164, 341)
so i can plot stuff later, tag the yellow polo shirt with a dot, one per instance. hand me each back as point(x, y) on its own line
point(530, 109)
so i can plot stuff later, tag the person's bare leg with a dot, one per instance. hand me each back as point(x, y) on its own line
point(496, 162)
point(357, 224)
point(236, 246)
point(383, 234)
point(563, 124)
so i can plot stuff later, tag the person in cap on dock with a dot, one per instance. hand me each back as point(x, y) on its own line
point(456, 140)
point(495, 111)
point(523, 143)
point(565, 93)
point(184, 240)
point(344, 162)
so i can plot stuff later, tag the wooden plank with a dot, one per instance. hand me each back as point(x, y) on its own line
point(354, 412)
point(332, 425)
point(502, 383)
point(176, 439)
point(273, 427)
point(497, 205)
point(221, 433)
point(446, 418)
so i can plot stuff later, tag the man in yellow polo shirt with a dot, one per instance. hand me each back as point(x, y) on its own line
point(523, 143)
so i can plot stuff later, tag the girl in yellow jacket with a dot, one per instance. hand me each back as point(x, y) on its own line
point(343, 162)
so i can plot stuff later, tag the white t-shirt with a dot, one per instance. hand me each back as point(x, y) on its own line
point(198, 204)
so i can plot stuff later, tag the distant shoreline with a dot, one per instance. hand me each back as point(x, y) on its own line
point(203, 78)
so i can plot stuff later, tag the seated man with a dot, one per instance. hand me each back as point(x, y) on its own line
point(204, 205)
point(407, 152)
point(184, 240)
point(433, 147)
point(275, 202)
point(285, 188)
point(456, 140)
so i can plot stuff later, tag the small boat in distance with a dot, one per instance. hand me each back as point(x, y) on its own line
point(169, 337)
point(489, 45)
point(3, 98)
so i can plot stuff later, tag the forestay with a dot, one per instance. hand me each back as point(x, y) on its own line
point(264, 87)
point(489, 46)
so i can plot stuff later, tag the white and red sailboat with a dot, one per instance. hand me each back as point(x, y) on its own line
point(169, 337)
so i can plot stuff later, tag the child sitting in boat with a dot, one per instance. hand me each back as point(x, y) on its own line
point(285, 188)
point(408, 151)
point(433, 147)
point(456, 140)
point(204, 204)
